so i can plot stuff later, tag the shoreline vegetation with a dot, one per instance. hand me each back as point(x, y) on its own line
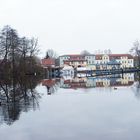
point(18, 55)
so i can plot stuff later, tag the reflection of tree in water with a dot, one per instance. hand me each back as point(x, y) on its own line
point(136, 89)
point(52, 85)
point(10, 113)
point(17, 95)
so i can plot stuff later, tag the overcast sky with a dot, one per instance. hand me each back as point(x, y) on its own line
point(69, 26)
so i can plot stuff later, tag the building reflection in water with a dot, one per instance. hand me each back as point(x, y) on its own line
point(104, 81)
point(68, 82)
point(51, 85)
point(16, 96)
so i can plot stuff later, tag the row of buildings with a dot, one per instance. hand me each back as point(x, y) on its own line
point(99, 61)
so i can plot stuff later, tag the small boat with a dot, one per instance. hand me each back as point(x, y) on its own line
point(115, 88)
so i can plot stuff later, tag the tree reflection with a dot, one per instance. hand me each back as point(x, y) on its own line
point(16, 96)
point(136, 87)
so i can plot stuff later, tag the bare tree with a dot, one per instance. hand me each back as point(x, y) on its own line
point(24, 47)
point(16, 52)
point(85, 52)
point(33, 47)
point(105, 52)
point(5, 43)
point(8, 47)
point(51, 54)
point(135, 51)
point(109, 51)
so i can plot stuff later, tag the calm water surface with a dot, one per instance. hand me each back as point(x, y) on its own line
point(75, 109)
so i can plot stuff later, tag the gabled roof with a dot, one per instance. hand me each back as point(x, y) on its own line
point(70, 55)
point(99, 56)
point(48, 62)
point(77, 55)
point(121, 55)
point(75, 60)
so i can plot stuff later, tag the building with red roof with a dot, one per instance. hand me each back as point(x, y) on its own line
point(49, 62)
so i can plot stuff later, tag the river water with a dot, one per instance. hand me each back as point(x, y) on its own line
point(80, 108)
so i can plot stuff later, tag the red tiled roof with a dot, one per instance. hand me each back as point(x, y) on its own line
point(121, 55)
point(128, 55)
point(77, 55)
point(72, 55)
point(75, 60)
point(99, 56)
point(48, 62)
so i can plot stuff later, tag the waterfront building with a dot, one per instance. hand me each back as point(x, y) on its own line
point(114, 61)
point(73, 60)
point(98, 61)
point(77, 60)
point(62, 59)
point(90, 59)
point(125, 60)
point(49, 62)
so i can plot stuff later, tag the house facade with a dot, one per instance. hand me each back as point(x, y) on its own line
point(72, 60)
point(125, 60)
